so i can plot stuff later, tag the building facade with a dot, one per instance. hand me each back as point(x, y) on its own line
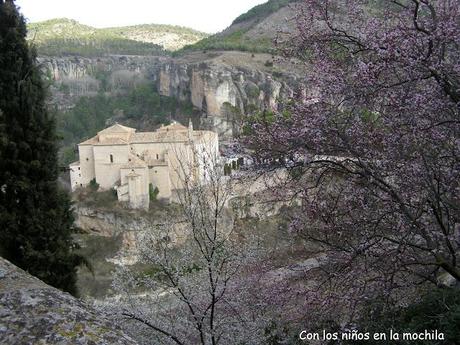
point(134, 162)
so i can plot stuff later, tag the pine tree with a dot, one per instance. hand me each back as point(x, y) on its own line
point(36, 221)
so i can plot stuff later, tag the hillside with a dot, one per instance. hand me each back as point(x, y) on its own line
point(254, 30)
point(57, 37)
point(170, 37)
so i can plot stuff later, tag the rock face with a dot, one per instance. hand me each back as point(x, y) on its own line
point(75, 77)
point(111, 223)
point(32, 312)
point(224, 86)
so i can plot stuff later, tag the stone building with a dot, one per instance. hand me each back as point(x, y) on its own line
point(134, 162)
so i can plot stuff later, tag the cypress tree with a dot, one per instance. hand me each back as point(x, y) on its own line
point(36, 221)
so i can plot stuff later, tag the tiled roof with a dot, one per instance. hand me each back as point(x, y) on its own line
point(92, 141)
point(156, 137)
point(175, 126)
point(117, 128)
point(172, 133)
point(111, 141)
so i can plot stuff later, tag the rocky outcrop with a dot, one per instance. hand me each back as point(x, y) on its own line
point(131, 225)
point(74, 77)
point(32, 312)
point(111, 224)
point(224, 86)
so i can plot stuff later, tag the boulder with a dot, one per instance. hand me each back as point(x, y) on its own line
point(32, 312)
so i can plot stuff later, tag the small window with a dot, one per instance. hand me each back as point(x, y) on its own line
point(81, 184)
point(155, 171)
point(87, 159)
point(157, 156)
point(111, 158)
point(79, 175)
point(79, 168)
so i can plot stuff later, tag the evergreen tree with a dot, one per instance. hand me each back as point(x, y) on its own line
point(36, 221)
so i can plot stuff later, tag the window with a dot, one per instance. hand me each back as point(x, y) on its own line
point(157, 156)
point(111, 158)
point(79, 168)
point(87, 159)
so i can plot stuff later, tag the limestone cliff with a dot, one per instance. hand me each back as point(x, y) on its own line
point(73, 77)
point(32, 312)
point(224, 86)
point(227, 85)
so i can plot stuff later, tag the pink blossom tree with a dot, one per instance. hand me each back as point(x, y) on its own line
point(374, 150)
point(191, 291)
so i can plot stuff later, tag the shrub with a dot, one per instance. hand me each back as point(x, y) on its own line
point(438, 309)
point(93, 185)
point(153, 192)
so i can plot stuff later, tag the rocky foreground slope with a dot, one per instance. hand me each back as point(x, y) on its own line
point(32, 312)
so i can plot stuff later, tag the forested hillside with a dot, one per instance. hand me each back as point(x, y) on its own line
point(252, 31)
point(59, 37)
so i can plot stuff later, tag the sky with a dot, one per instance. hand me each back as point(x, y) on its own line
point(204, 15)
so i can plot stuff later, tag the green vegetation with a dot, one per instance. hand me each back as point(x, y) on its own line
point(153, 32)
point(91, 197)
point(97, 282)
point(58, 37)
point(91, 113)
point(153, 192)
point(234, 41)
point(236, 38)
point(96, 47)
point(93, 185)
point(36, 221)
point(263, 10)
point(438, 309)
